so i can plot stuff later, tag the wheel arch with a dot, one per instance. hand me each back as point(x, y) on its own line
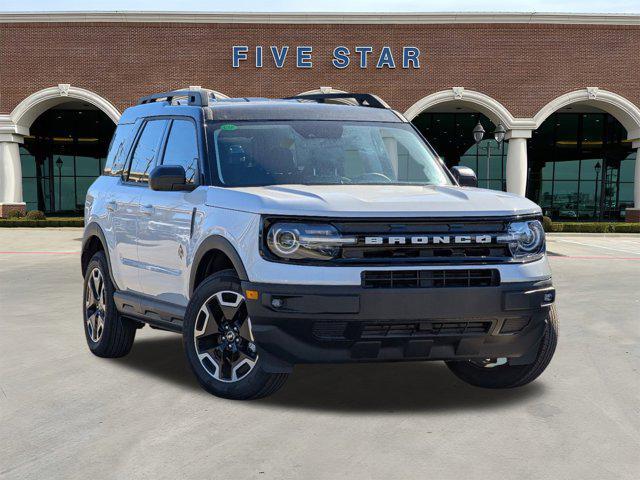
point(94, 241)
point(209, 251)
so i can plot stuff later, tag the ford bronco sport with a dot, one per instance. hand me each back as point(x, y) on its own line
point(276, 232)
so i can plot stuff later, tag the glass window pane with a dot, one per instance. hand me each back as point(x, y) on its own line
point(182, 148)
point(469, 161)
point(28, 163)
point(547, 171)
point(588, 204)
point(546, 194)
point(65, 197)
point(146, 149)
point(567, 170)
point(590, 168)
point(627, 168)
point(565, 199)
point(87, 166)
point(29, 190)
point(495, 185)
point(118, 150)
point(626, 194)
point(63, 165)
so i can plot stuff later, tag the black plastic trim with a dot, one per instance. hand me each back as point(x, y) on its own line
point(94, 230)
point(286, 330)
point(216, 243)
point(164, 315)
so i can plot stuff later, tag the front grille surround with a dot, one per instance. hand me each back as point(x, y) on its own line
point(362, 254)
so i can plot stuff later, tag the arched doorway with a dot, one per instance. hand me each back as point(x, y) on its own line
point(447, 120)
point(62, 156)
point(582, 159)
point(65, 133)
point(581, 165)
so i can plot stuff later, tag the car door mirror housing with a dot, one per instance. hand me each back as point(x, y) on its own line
point(465, 176)
point(167, 178)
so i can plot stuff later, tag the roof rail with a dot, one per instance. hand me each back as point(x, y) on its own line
point(199, 98)
point(363, 99)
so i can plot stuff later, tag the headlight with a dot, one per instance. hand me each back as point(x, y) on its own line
point(525, 239)
point(298, 241)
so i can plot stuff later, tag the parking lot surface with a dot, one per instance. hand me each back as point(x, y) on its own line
point(65, 414)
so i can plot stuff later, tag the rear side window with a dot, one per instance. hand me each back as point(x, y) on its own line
point(146, 150)
point(118, 150)
point(182, 148)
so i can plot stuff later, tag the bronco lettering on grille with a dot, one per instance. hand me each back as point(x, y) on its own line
point(422, 240)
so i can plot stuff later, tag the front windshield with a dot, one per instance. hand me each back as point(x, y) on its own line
point(322, 153)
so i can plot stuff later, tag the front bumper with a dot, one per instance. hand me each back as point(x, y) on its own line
point(317, 324)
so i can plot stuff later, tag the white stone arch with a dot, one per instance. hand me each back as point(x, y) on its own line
point(459, 96)
point(622, 109)
point(17, 125)
point(39, 102)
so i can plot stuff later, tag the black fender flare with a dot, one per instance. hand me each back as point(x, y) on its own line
point(216, 242)
point(94, 230)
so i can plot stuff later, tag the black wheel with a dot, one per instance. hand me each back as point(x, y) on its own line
point(497, 373)
point(219, 344)
point(108, 334)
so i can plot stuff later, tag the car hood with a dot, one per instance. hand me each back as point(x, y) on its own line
point(370, 200)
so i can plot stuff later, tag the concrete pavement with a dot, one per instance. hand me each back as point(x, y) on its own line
point(65, 414)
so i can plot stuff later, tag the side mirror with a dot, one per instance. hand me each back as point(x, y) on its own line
point(167, 178)
point(465, 176)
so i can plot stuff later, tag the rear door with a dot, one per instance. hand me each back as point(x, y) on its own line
point(126, 206)
point(165, 226)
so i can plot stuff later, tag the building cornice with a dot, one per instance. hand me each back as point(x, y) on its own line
point(321, 18)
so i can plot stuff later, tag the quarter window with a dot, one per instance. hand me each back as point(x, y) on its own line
point(145, 153)
point(182, 148)
point(117, 154)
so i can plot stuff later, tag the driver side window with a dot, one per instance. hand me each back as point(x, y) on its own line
point(182, 148)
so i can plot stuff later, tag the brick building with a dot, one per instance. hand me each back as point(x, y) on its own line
point(565, 87)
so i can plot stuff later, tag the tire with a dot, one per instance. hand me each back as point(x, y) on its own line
point(108, 334)
point(218, 342)
point(511, 376)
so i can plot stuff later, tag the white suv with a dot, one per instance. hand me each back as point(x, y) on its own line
point(276, 232)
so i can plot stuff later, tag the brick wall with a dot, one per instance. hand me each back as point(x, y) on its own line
point(522, 66)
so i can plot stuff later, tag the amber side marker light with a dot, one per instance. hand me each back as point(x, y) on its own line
point(251, 294)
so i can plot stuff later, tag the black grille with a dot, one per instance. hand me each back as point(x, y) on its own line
point(431, 278)
point(332, 331)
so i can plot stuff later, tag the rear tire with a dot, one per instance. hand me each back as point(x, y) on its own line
point(511, 376)
point(219, 344)
point(108, 334)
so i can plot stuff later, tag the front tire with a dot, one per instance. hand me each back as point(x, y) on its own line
point(107, 333)
point(492, 375)
point(218, 341)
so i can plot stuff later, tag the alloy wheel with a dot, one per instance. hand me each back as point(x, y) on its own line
point(223, 337)
point(95, 304)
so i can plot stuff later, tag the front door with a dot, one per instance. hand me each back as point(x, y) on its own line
point(165, 223)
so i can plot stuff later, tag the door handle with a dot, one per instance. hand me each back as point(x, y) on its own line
point(111, 206)
point(146, 209)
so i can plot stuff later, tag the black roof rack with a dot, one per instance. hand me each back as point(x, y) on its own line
point(198, 98)
point(363, 99)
